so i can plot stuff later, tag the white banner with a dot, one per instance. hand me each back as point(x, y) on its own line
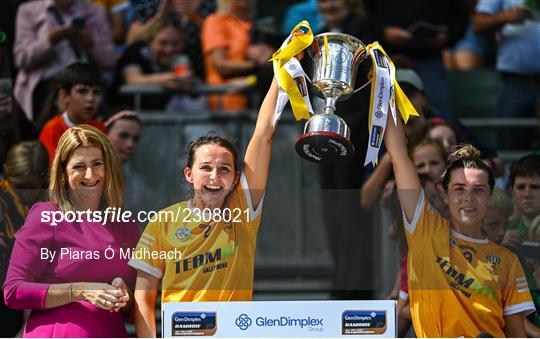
point(382, 95)
point(295, 70)
point(281, 319)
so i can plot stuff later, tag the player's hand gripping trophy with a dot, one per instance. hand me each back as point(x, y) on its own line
point(336, 57)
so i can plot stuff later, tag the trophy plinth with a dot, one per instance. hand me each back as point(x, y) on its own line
point(326, 137)
point(325, 140)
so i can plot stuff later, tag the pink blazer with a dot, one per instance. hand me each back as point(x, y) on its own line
point(34, 54)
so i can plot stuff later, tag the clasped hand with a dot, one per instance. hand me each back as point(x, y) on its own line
point(108, 297)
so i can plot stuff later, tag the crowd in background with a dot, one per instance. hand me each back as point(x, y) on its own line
point(64, 62)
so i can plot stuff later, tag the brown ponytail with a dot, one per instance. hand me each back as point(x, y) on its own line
point(467, 156)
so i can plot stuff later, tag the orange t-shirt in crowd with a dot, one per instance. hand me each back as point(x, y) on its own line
point(229, 32)
point(54, 128)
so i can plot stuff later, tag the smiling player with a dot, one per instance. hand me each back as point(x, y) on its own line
point(215, 230)
point(460, 283)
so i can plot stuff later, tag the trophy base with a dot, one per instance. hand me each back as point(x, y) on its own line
point(324, 147)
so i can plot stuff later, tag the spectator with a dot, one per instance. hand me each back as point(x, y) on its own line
point(499, 211)
point(218, 185)
point(25, 178)
point(413, 87)
point(81, 90)
point(151, 61)
point(51, 35)
point(124, 130)
point(532, 324)
point(524, 181)
point(429, 158)
point(441, 131)
point(341, 183)
point(70, 296)
point(228, 51)
point(439, 24)
point(10, 131)
point(189, 14)
point(53, 104)
point(438, 248)
point(468, 53)
point(306, 10)
point(517, 60)
point(116, 11)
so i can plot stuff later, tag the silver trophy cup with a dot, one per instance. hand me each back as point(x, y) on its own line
point(326, 137)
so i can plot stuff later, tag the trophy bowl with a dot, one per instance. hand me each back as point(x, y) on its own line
point(336, 57)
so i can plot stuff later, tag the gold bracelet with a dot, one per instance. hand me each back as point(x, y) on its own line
point(70, 292)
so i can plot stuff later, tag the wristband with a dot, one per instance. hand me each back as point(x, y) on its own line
point(251, 80)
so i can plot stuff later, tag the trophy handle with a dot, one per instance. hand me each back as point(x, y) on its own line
point(363, 86)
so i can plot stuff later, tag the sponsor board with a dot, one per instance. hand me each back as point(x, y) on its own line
point(281, 319)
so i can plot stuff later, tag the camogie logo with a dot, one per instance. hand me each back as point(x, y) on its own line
point(182, 234)
point(494, 261)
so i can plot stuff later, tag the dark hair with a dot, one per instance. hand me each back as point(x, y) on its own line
point(403, 61)
point(527, 166)
point(210, 139)
point(467, 156)
point(160, 24)
point(409, 89)
point(50, 109)
point(79, 74)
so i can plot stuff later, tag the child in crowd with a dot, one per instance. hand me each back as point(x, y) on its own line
point(499, 211)
point(429, 158)
point(24, 182)
point(524, 181)
point(80, 92)
point(440, 130)
point(124, 130)
point(532, 323)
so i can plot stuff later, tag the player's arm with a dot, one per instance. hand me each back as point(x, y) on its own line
point(372, 189)
point(515, 326)
point(259, 150)
point(407, 181)
point(146, 289)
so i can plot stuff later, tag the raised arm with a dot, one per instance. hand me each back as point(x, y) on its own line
point(407, 181)
point(259, 150)
point(372, 189)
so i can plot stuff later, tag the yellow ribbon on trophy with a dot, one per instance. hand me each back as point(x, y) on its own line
point(385, 94)
point(289, 73)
